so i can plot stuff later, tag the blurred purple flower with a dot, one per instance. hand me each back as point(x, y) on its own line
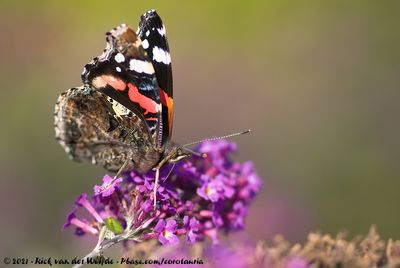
point(198, 199)
point(191, 226)
point(238, 215)
point(222, 255)
point(211, 190)
point(296, 262)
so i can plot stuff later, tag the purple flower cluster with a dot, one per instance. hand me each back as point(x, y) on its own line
point(200, 197)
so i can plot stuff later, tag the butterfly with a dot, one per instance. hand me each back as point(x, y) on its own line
point(121, 118)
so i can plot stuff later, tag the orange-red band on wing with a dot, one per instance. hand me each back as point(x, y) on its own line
point(167, 101)
point(149, 105)
point(104, 80)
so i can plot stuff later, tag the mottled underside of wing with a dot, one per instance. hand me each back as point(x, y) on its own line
point(89, 130)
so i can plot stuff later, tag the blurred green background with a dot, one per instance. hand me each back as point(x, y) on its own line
point(316, 81)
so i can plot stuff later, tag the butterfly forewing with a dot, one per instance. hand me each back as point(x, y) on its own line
point(121, 118)
point(154, 40)
point(124, 73)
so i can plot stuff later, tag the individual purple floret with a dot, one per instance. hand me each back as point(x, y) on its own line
point(108, 187)
point(191, 226)
point(167, 232)
point(200, 197)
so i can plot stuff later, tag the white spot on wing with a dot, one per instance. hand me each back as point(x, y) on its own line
point(161, 55)
point(141, 66)
point(147, 33)
point(145, 44)
point(118, 69)
point(162, 31)
point(119, 58)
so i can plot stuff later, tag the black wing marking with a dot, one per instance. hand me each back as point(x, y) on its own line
point(124, 73)
point(154, 40)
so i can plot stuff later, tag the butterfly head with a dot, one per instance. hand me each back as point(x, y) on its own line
point(174, 153)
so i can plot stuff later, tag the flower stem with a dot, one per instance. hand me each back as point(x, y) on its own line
point(101, 246)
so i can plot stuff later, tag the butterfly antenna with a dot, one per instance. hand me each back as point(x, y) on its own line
point(217, 138)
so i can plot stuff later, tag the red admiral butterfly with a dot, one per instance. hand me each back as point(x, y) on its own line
point(131, 128)
point(121, 118)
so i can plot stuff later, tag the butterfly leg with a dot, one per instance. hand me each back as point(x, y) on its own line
point(157, 170)
point(156, 186)
point(121, 169)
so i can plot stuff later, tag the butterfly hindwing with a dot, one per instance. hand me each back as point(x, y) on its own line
point(154, 40)
point(93, 128)
point(124, 73)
